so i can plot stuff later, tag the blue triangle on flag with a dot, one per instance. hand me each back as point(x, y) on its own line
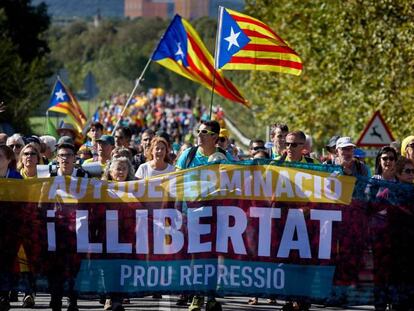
point(232, 39)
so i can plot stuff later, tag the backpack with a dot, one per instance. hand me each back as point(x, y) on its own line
point(192, 153)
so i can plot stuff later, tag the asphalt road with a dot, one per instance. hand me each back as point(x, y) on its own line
point(167, 303)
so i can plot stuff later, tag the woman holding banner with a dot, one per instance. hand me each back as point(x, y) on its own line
point(8, 244)
point(119, 169)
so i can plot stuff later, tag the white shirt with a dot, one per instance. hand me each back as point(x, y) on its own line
point(146, 171)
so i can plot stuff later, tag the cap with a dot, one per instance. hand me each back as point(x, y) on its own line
point(343, 142)
point(65, 142)
point(67, 126)
point(405, 143)
point(332, 141)
point(32, 139)
point(107, 139)
point(224, 133)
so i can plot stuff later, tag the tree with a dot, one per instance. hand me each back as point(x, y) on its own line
point(358, 57)
point(23, 64)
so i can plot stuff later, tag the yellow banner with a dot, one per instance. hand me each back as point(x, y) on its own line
point(213, 182)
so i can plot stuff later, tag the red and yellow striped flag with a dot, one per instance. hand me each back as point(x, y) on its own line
point(182, 51)
point(246, 43)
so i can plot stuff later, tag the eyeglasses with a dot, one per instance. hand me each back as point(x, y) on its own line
point(18, 146)
point(222, 139)
point(65, 155)
point(408, 171)
point(293, 145)
point(27, 154)
point(204, 132)
point(387, 159)
point(257, 148)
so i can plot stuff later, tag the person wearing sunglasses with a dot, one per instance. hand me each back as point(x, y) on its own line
point(225, 144)
point(345, 158)
point(295, 145)
point(29, 158)
point(404, 169)
point(385, 164)
point(207, 138)
point(16, 143)
point(407, 147)
point(255, 146)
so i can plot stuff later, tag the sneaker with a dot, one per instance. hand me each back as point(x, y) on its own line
point(28, 301)
point(213, 305)
point(253, 301)
point(196, 304)
point(108, 304)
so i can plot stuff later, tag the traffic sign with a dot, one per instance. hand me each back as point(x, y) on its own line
point(376, 133)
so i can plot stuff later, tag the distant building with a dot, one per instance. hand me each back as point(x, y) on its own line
point(192, 9)
point(149, 8)
point(189, 9)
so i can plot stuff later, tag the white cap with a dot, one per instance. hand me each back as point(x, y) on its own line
point(343, 142)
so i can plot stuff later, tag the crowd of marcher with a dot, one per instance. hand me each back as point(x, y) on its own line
point(160, 133)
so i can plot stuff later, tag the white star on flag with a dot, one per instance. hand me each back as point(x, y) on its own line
point(232, 39)
point(60, 95)
point(179, 51)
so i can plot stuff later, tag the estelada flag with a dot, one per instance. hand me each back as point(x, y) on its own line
point(246, 43)
point(64, 101)
point(182, 51)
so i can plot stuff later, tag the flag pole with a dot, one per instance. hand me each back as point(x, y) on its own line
point(138, 81)
point(218, 32)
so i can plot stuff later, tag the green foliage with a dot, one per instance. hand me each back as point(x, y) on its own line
point(115, 52)
point(23, 66)
point(358, 57)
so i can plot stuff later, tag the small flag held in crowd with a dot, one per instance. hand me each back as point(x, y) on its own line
point(182, 51)
point(64, 102)
point(246, 43)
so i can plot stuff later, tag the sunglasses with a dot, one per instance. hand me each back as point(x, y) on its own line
point(387, 158)
point(222, 139)
point(293, 145)
point(205, 132)
point(65, 155)
point(27, 154)
point(15, 146)
point(411, 145)
point(408, 171)
point(256, 148)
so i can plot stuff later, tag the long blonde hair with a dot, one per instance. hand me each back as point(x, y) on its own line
point(154, 141)
point(29, 145)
